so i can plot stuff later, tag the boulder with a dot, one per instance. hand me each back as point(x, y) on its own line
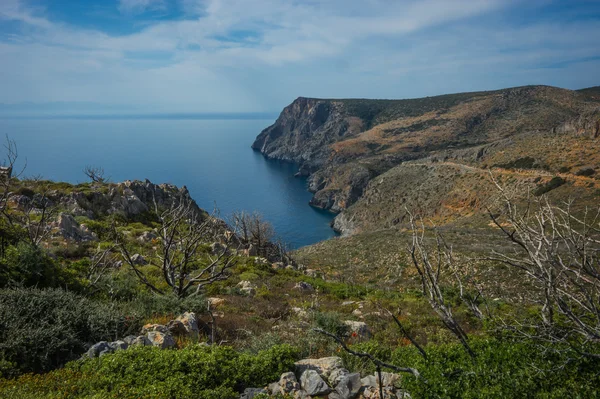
point(138, 259)
point(70, 229)
point(190, 323)
point(347, 388)
point(216, 302)
point(324, 366)
point(313, 384)
point(118, 345)
point(155, 327)
point(246, 287)
point(176, 327)
point(161, 340)
point(288, 383)
point(147, 236)
point(278, 265)
point(99, 349)
point(311, 273)
point(358, 328)
point(336, 376)
point(304, 287)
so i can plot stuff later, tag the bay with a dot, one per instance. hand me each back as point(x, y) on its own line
point(211, 157)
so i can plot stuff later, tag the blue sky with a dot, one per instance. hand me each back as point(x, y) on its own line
point(258, 55)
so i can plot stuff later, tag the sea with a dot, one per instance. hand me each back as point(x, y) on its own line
point(211, 155)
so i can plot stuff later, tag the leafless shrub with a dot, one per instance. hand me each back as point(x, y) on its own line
point(95, 174)
point(185, 267)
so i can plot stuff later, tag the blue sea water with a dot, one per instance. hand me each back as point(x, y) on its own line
point(212, 158)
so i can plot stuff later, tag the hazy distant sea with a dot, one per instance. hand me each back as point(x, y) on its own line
point(211, 157)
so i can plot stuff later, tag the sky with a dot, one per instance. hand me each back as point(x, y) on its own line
point(208, 56)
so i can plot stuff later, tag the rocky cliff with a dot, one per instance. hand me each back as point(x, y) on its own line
point(344, 145)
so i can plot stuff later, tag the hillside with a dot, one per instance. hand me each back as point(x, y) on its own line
point(346, 147)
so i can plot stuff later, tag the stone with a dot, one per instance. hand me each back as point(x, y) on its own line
point(176, 327)
point(336, 376)
point(313, 384)
point(302, 286)
point(142, 340)
point(288, 382)
point(98, 349)
point(147, 236)
point(301, 313)
point(216, 302)
point(348, 387)
point(138, 259)
point(70, 229)
point(246, 287)
point(155, 327)
point(118, 345)
point(129, 339)
point(190, 322)
point(324, 366)
point(277, 265)
point(250, 393)
point(311, 272)
point(274, 388)
point(358, 328)
point(161, 340)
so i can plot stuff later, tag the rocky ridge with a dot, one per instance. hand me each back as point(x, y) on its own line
point(345, 146)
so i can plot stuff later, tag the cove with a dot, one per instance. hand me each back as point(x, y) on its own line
point(212, 158)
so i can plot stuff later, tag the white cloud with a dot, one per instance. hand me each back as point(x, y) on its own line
point(254, 55)
point(137, 6)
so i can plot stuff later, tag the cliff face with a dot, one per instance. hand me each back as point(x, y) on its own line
point(304, 131)
point(343, 145)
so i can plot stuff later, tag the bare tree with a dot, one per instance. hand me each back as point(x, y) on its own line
point(7, 171)
point(254, 230)
point(101, 262)
point(559, 253)
point(430, 266)
point(95, 173)
point(185, 266)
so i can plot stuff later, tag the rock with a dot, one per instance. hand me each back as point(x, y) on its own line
point(161, 340)
point(138, 259)
point(216, 248)
point(246, 287)
point(290, 267)
point(358, 328)
point(313, 384)
point(176, 327)
point(301, 313)
point(336, 376)
point(99, 349)
point(252, 251)
point(155, 327)
point(324, 366)
point(147, 236)
point(250, 393)
point(274, 388)
point(288, 383)
point(216, 302)
point(277, 265)
point(118, 345)
point(348, 387)
point(261, 261)
point(190, 322)
point(302, 286)
point(142, 340)
point(129, 339)
point(70, 229)
point(311, 272)
point(346, 303)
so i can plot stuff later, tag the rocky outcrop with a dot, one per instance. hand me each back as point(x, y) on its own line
point(327, 378)
point(586, 124)
point(67, 227)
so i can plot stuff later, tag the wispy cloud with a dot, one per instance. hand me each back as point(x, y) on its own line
point(251, 55)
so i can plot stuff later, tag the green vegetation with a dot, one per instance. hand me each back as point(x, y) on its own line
point(207, 372)
point(555, 182)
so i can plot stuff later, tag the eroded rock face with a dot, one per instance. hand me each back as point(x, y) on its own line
point(69, 228)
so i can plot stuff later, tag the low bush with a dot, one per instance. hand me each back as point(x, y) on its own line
point(207, 372)
point(27, 265)
point(41, 329)
point(555, 182)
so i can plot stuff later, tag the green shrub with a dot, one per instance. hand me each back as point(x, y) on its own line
point(27, 265)
point(331, 322)
point(207, 372)
point(502, 369)
point(43, 329)
point(555, 182)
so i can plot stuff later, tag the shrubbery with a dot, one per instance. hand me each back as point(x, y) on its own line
point(43, 329)
point(207, 372)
